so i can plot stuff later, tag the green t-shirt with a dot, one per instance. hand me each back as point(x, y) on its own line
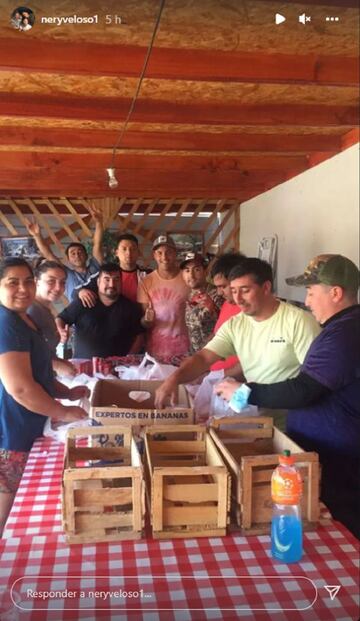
point(271, 350)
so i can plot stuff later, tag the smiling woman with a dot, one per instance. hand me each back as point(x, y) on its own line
point(50, 279)
point(27, 385)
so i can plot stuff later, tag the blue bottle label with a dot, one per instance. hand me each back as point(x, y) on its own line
point(286, 538)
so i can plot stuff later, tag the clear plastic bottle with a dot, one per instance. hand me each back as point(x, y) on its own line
point(286, 525)
point(286, 533)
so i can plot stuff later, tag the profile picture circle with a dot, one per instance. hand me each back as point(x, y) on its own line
point(22, 18)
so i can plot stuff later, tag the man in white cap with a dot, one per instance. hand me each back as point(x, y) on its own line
point(163, 294)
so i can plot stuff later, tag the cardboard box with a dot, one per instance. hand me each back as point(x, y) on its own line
point(112, 404)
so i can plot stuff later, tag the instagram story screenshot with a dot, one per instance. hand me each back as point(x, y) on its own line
point(179, 310)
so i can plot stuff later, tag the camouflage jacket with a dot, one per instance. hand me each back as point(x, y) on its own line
point(200, 321)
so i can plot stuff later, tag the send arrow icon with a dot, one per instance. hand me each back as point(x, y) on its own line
point(332, 590)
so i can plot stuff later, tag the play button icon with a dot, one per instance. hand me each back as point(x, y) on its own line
point(279, 19)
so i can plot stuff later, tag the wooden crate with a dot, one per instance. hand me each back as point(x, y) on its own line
point(103, 488)
point(250, 448)
point(188, 483)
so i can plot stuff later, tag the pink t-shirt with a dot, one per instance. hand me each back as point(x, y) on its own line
point(169, 335)
point(227, 310)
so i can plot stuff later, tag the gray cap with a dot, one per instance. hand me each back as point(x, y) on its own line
point(164, 240)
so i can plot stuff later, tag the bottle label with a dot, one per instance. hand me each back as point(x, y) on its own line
point(286, 538)
point(286, 486)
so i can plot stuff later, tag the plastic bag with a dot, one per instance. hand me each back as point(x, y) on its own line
point(221, 408)
point(207, 404)
point(204, 395)
point(148, 369)
point(53, 429)
point(57, 431)
point(79, 380)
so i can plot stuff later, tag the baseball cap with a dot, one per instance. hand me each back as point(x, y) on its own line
point(164, 240)
point(192, 256)
point(328, 269)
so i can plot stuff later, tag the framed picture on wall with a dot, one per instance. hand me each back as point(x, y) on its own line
point(267, 250)
point(188, 242)
point(21, 247)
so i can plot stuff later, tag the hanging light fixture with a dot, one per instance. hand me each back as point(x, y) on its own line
point(112, 180)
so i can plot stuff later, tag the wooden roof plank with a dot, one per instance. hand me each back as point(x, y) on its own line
point(151, 111)
point(165, 140)
point(176, 64)
point(136, 178)
point(67, 162)
point(97, 191)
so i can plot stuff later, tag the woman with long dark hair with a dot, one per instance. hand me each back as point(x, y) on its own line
point(28, 389)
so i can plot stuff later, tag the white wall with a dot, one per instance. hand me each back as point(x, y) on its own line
point(313, 213)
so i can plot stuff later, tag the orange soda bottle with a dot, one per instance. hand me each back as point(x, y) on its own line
point(286, 483)
point(286, 526)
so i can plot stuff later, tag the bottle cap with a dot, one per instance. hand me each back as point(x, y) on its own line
point(286, 459)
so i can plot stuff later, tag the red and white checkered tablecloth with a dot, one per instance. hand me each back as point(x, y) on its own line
point(233, 577)
point(37, 506)
point(182, 580)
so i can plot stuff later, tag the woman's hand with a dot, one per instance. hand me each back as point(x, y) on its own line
point(64, 368)
point(72, 413)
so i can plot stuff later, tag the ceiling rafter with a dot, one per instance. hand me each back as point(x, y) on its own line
point(220, 116)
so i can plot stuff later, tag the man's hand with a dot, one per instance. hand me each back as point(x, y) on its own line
point(88, 298)
point(32, 227)
point(78, 392)
point(148, 319)
point(226, 388)
point(95, 213)
point(63, 332)
point(166, 394)
point(205, 301)
point(149, 316)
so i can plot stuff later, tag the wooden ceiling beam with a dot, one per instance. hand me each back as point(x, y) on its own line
point(151, 111)
point(97, 191)
point(238, 195)
point(135, 180)
point(176, 64)
point(84, 162)
point(187, 141)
